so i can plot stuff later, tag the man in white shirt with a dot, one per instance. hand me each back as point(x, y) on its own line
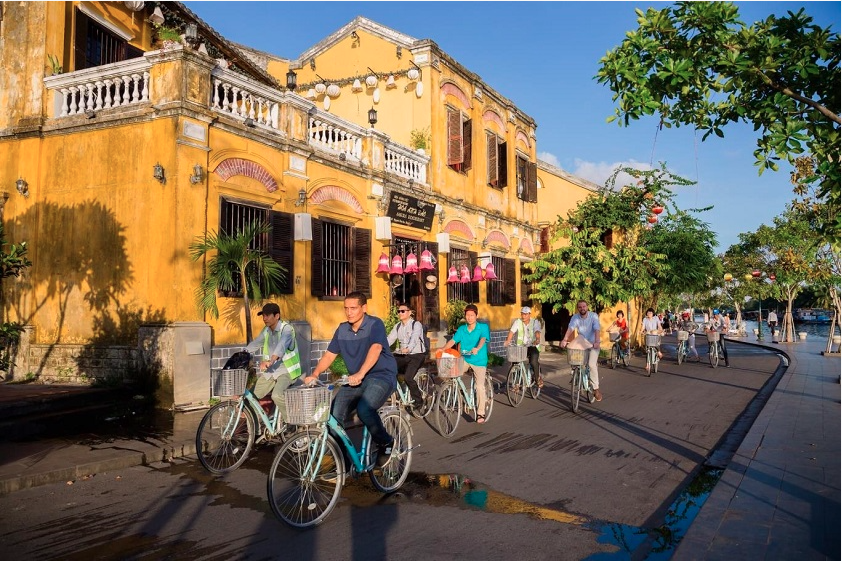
point(772, 320)
point(588, 325)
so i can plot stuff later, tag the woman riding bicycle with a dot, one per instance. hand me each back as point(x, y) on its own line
point(653, 325)
point(687, 324)
point(622, 326)
point(412, 350)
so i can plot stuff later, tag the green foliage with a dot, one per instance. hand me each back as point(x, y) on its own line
point(339, 368)
point(55, 65)
point(419, 138)
point(235, 257)
point(167, 33)
point(13, 259)
point(454, 313)
point(698, 64)
point(495, 360)
point(392, 319)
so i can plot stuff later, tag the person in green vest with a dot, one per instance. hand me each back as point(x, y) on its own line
point(528, 332)
point(280, 363)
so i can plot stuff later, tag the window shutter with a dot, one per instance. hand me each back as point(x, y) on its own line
point(532, 182)
point(491, 153)
point(474, 286)
point(502, 159)
point(317, 283)
point(282, 246)
point(81, 46)
point(454, 137)
point(430, 315)
point(467, 130)
point(362, 260)
point(510, 281)
point(545, 239)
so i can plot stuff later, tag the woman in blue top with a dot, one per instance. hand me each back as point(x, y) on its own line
point(472, 338)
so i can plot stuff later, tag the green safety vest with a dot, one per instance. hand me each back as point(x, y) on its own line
point(290, 360)
point(522, 332)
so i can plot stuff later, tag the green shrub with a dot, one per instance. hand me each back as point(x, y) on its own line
point(495, 360)
point(454, 313)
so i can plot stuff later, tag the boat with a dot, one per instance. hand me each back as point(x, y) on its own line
point(812, 315)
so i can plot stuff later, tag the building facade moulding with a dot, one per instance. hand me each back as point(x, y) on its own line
point(496, 236)
point(459, 227)
point(230, 167)
point(336, 193)
point(526, 246)
point(490, 116)
point(449, 88)
point(521, 137)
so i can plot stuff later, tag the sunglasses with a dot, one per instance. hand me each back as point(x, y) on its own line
point(402, 311)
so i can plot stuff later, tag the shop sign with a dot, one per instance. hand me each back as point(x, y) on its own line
point(410, 211)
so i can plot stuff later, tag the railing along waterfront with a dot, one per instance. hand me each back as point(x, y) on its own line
point(103, 87)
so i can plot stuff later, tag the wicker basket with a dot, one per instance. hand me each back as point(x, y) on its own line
point(516, 353)
point(653, 340)
point(226, 383)
point(307, 406)
point(713, 336)
point(576, 357)
point(683, 335)
point(613, 336)
point(449, 366)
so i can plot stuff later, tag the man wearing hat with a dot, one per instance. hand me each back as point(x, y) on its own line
point(280, 363)
point(528, 332)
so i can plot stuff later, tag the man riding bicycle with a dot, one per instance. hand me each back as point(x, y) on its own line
point(587, 324)
point(528, 332)
point(411, 352)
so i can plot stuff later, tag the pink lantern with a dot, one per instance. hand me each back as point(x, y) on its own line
point(383, 264)
point(772, 277)
point(452, 276)
point(426, 260)
point(397, 265)
point(477, 274)
point(489, 272)
point(464, 274)
point(411, 263)
point(755, 273)
point(652, 219)
point(657, 209)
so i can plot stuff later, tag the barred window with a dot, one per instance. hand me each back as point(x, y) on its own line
point(341, 260)
point(501, 292)
point(468, 291)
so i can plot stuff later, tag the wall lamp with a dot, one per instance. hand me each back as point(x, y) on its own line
point(191, 35)
point(312, 64)
point(292, 79)
point(158, 173)
point(354, 35)
point(372, 117)
point(399, 51)
point(198, 175)
point(302, 198)
point(22, 186)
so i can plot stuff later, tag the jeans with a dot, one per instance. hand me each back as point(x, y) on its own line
point(367, 398)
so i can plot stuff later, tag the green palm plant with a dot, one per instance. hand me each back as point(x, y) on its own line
point(235, 264)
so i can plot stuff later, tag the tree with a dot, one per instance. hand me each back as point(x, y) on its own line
point(238, 264)
point(697, 64)
point(12, 263)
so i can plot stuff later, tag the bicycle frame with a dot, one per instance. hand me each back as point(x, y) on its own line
point(335, 428)
point(270, 423)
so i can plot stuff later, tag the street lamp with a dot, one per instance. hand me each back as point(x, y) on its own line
point(757, 274)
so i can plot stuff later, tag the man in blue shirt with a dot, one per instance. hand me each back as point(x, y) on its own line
point(373, 371)
point(587, 323)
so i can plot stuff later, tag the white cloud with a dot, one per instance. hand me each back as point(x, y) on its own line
point(599, 172)
point(549, 158)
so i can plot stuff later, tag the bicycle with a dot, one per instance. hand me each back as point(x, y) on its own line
point(401, 396)
point(309, 471)
point(452, 396)
point(580, 380)
point(617, 352)
point(228, 431)
point(520, 379)
point(683, 346)
point(714, 349)
point(653, 344)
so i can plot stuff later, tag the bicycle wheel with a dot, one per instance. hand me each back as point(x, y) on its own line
point(681, 352)
point(534, 390)
point(448, 409)
point(390, 477)
point(225, 437)
point(428, 396)
point(648, 361)
point(514, 385)
point(489, 396)
point(625, 356)
point(713, 354)
point(615, 356)
point(655, 359)
point(303, 499)
point(575, 388)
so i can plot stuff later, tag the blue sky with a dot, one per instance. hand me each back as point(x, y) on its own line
point(543, 56)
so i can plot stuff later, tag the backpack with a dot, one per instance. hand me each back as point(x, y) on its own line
point(238, 361)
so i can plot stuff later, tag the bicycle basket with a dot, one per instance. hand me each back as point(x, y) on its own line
point(226, 383)
point(713, 336)
point(307, 406)
point(449, 366)
point(653, 340)
point(683, 335)
point(613, 336)
point(516, 353)
point(576, 357)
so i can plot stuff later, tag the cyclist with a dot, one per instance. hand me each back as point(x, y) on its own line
point(687, 324)
point(723, 324)
point(587, 323)
point(623, 327)
point(472, 338)
point(362, 343)
point(412, 350)
point(281, 364)
point(528, 333)
point(653, 325)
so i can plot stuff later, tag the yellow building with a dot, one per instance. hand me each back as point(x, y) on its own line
point(123, 150)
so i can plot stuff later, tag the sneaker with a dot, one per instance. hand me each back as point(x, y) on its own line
point(384, 454)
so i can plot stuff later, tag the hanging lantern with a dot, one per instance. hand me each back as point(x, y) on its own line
point(397, 265)
point(390, 82)
point(755, 273)
point(657, 209)
point(411, 264)
point(357, 87)
point(383, 264)
point(489, 272)
point(652, 219)
point(728, 277)
point(464, 274)
point(772, 277)
point(477, 274)
point(320, 88)
point(452, 276)
point(426, 261)
point(747, 276)
point(371, 80)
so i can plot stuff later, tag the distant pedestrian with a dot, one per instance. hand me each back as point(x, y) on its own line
point(772, 320)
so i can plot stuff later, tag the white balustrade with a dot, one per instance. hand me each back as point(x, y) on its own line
point(236, 95)
point(334, 135)
point(405, 163)
point(101, 87)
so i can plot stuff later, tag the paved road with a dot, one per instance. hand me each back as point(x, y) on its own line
point(544, 483)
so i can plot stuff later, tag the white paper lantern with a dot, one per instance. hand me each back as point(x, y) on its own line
point(320, 88)
point(390, 83)
point(419, 89)
point(357, 87)
point(311, 93)
point(326, 103)
point(376, 95)
point(371, 81)
point(333, 90)
point(412, 74)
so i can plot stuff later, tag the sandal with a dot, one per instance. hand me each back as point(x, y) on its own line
point(540, 383)
point(480, 419)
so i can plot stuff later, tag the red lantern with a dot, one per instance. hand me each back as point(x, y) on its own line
point(452, 275)
point(465, 274)
point(755, 273)
point(489, 272)
point(657, 209)
point(477, 274)
point(411, 264)
point(397, 265)
point(772, 277)
point(383, 264)
point(426, 261)
point(652, 219)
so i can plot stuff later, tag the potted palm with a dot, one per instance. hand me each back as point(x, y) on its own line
point(167, 37)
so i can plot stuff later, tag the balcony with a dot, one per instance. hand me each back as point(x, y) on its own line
point(123, 89)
